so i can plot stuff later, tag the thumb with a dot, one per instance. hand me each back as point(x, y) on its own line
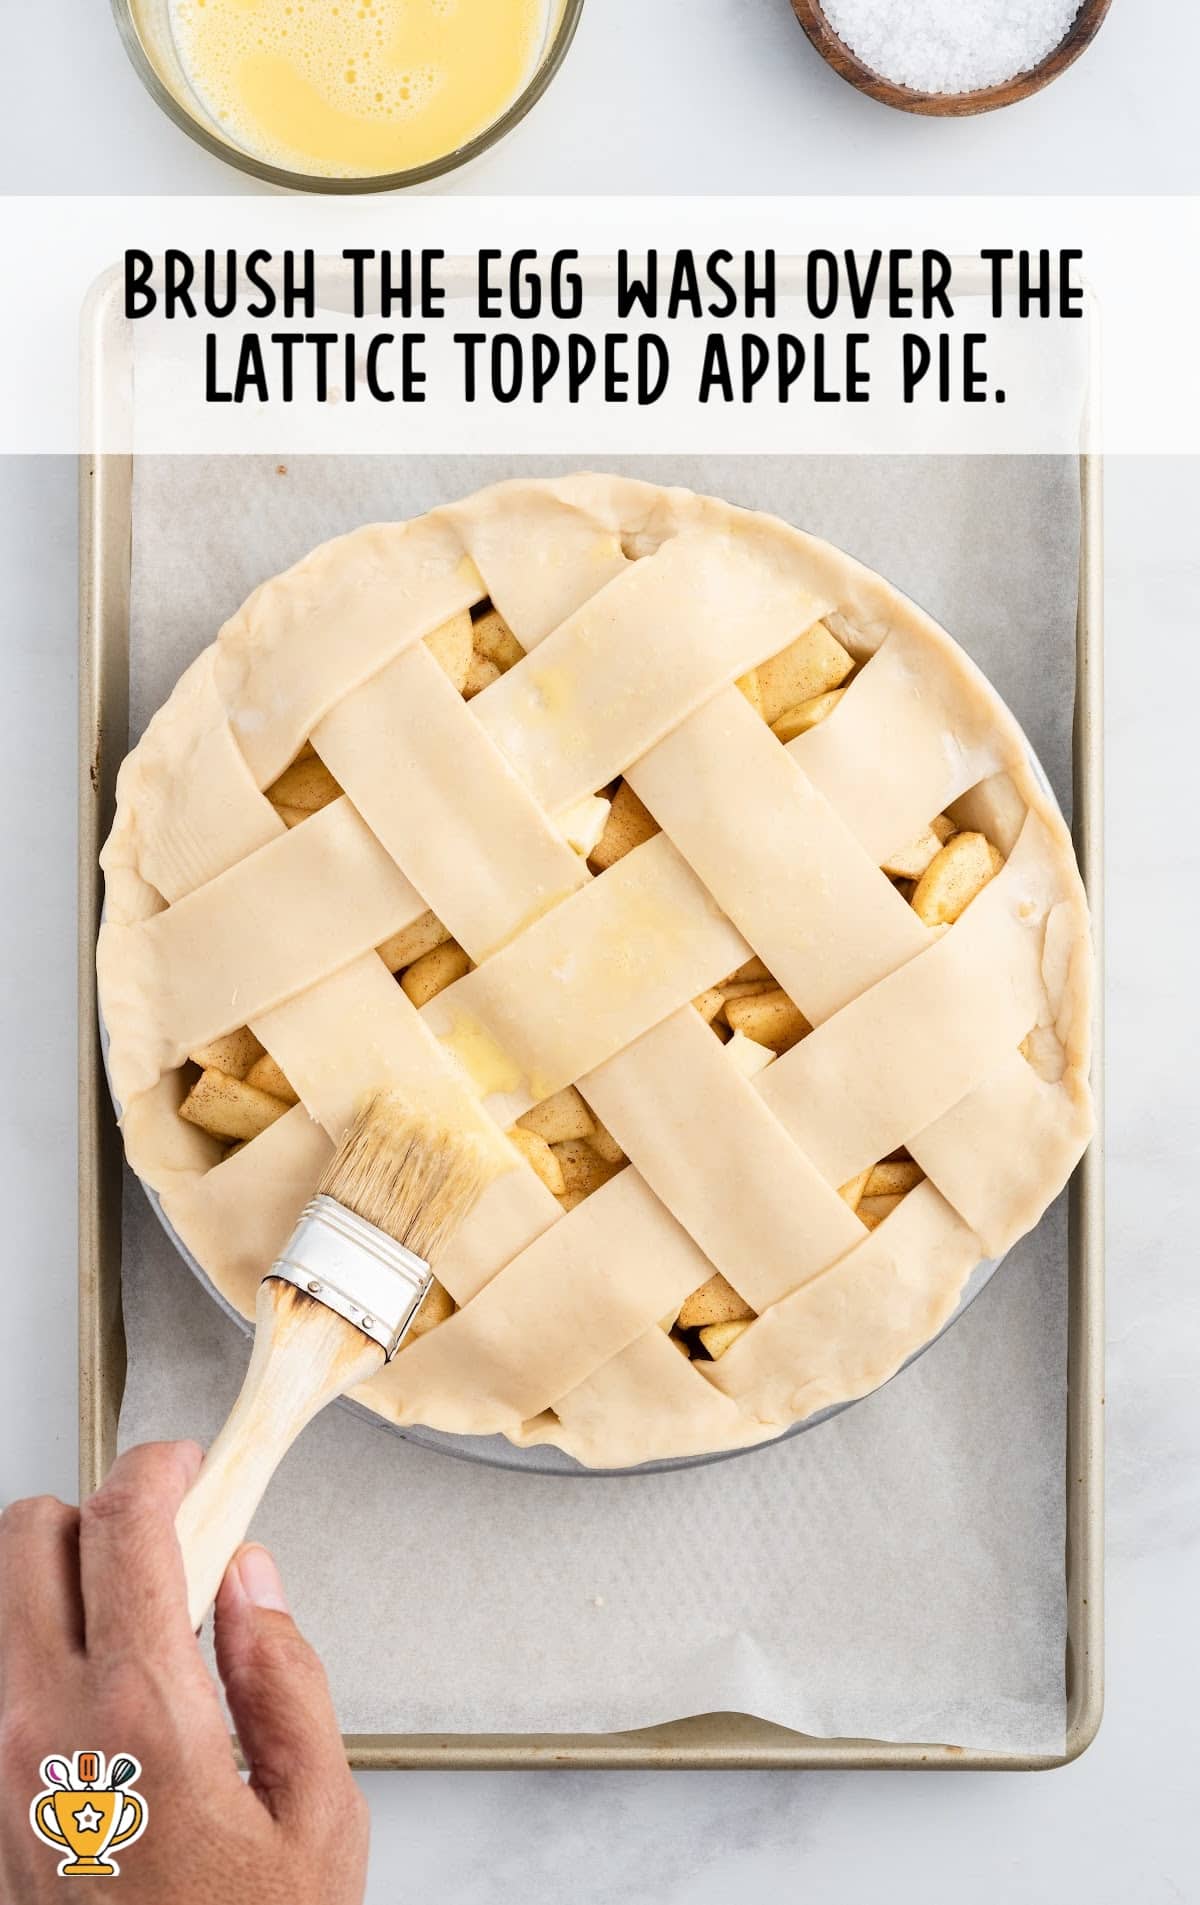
point(278, 1694)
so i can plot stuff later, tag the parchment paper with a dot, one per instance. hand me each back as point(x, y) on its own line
point(897, 1573)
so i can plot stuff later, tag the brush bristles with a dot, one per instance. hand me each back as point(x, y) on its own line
point(407, 1174)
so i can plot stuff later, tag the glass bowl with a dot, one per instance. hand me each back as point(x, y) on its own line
point(145, 29)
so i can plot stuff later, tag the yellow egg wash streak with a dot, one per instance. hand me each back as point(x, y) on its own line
point(352, 88)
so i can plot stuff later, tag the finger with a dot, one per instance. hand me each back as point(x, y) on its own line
point(278, 1695)
point(131, 1570)
point(41, 1609)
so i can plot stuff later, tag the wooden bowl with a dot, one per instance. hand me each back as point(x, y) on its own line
point(833, 49)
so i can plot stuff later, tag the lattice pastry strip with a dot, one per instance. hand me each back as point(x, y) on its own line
point(989, 1154)
point(446, 805)
point(185, 851)
point(979, 985)
point(649, 1383)
point(355, 1032)
point(901, 1285)
point(239, 1216)
point(290, 654)
point(264, 940)
point(555, 1315)
point(942, 731)
point(672, 630)
point(676, 1081)
point(777, 857)
point(564, 556)
point(645, 939)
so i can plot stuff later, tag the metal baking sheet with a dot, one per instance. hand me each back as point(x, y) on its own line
point(733, 1740)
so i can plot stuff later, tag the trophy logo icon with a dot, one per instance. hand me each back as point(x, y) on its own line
point(87, 1811)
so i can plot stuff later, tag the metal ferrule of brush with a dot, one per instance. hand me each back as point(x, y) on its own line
point(356, 1270)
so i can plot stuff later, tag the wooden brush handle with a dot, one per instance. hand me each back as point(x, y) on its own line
point(304, 1356)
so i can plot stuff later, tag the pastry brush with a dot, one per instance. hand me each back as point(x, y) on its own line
point(331, 1311)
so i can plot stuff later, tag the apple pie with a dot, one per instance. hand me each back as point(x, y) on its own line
point(679, 856)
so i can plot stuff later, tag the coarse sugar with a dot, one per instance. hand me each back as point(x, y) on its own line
point(951, 46)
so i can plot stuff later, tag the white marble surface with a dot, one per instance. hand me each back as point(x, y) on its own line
point(1119, 1825)
point(662, 96)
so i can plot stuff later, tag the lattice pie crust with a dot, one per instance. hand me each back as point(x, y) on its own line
point(723, 897)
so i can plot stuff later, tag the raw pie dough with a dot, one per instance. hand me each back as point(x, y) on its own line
point(639, 609)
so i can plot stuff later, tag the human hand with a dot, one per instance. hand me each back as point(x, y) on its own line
point(97, 1653)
